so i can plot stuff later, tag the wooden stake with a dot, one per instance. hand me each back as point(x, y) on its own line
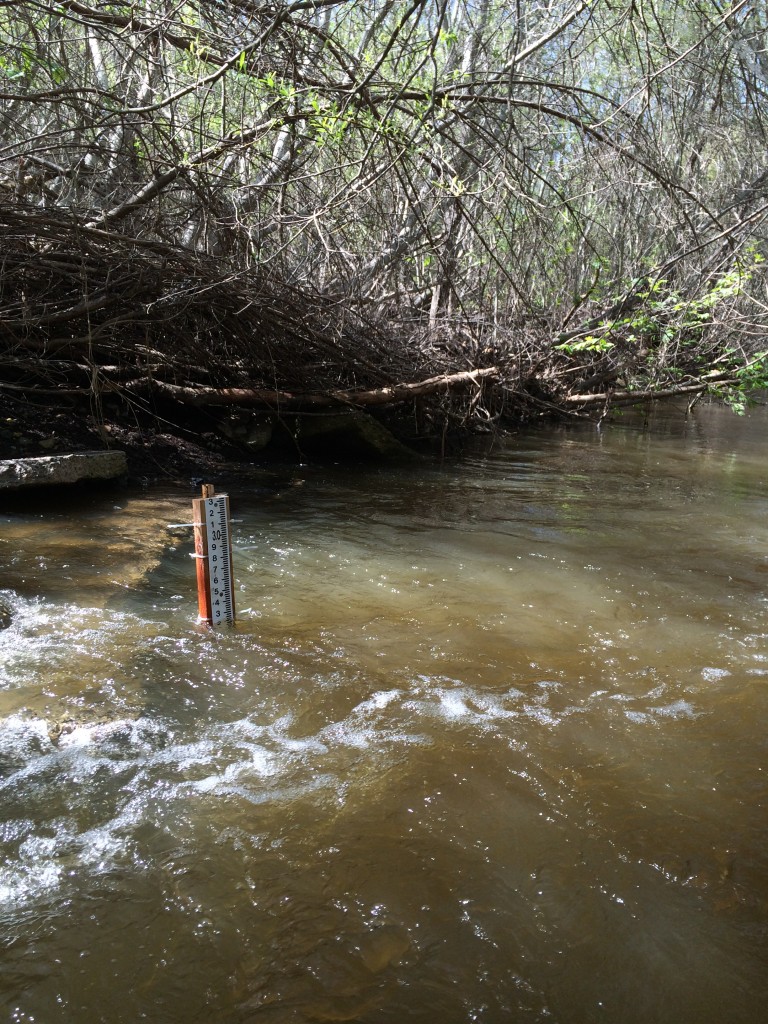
point(204, 610)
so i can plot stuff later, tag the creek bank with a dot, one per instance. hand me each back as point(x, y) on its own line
point(177, 448)
point(350, 434)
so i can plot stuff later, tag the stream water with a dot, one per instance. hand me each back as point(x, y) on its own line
point(487, 743)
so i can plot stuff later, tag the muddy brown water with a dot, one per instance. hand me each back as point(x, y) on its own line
point(488, 743)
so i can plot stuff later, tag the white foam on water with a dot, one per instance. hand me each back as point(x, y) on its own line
point(379, 701)
point(542, 715)
point(22, 738)
point(453, 705)
point(173, 774)
point(24, 883)
point(110, 761)
point(254, 762)
point(43, 864)
point(50, 641)
point(714, 675)
point(677, 709)
point(639, 717)
point(121, 730)
point(483, 709)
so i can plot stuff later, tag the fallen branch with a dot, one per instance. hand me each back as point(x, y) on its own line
point(204, 396)
point(628, 397)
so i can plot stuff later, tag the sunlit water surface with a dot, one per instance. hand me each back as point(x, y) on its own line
point(487, 743)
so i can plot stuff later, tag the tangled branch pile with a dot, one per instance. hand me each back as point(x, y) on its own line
point(75, 298)
point(89, 312)
point(316, 197)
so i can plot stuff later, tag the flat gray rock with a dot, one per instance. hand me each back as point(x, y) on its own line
point(51, 470)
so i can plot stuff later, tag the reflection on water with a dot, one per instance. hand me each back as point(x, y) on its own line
point(487, 744)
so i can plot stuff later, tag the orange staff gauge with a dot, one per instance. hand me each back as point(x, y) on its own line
point(213, 557)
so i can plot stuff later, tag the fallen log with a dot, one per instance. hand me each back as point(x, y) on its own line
point(253, 397)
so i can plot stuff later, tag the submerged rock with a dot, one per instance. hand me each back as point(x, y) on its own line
point(383, 946)
point(70, 732)
point(24, 738)
point(5, 615)
point(53, 470)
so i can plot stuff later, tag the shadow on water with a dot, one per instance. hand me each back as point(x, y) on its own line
point(484, 745)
